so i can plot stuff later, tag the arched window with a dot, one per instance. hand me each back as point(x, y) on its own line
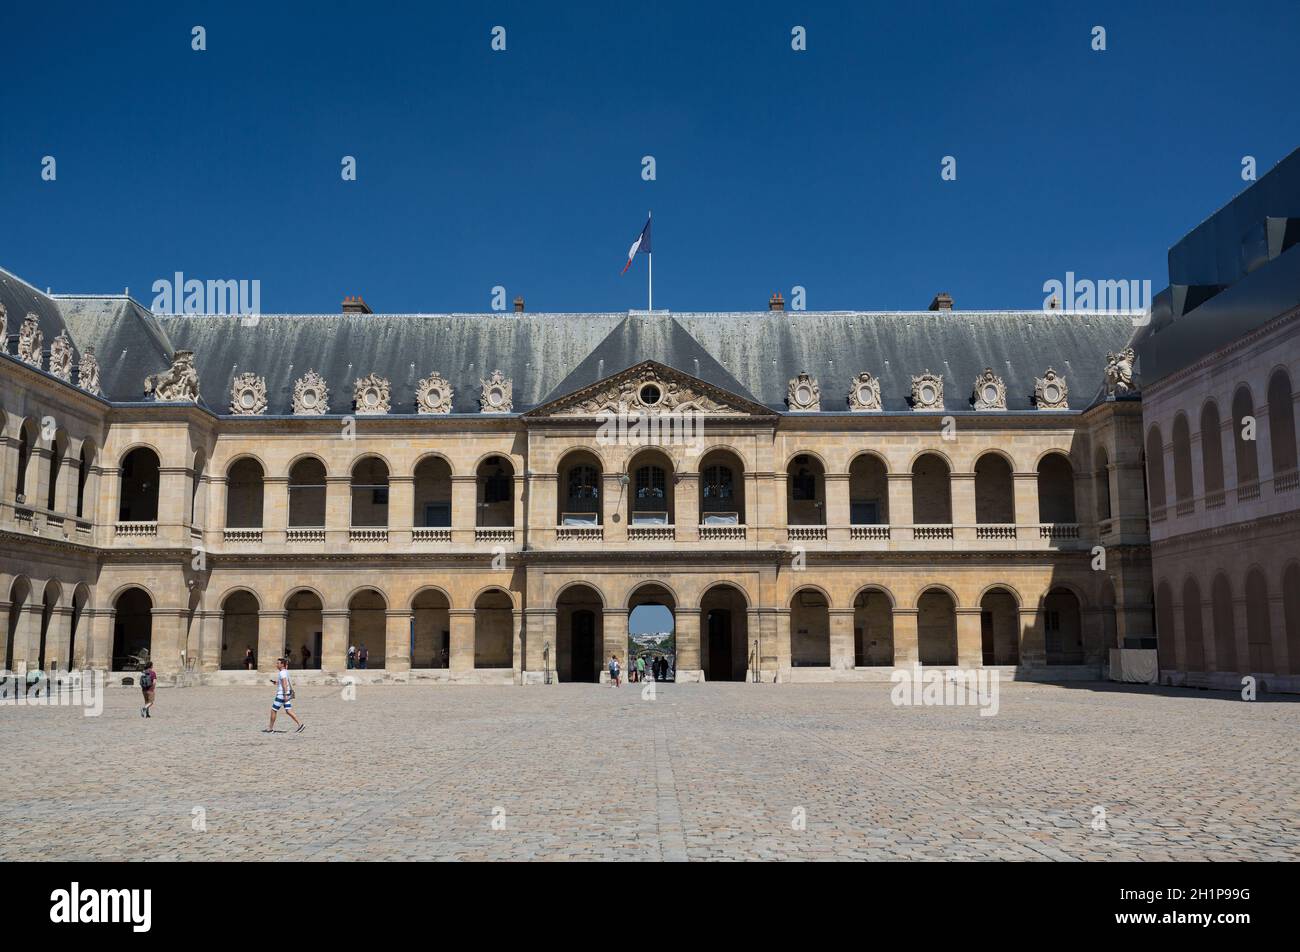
point(496, 497)
point(26, 439)
point(868, 491)
point(432, 493)
point(83, 476)
point(1212, 455)
point(244, 494)
point(994, 492)
point(370, 492)
point(58, 450)
point(931, 491)
point(307, 494)
point(1243, 423)
point(1281, 431)
point(1101, 479)
point(805, 501)
point(722, 488)
point(138, 500)
point(1056, 489)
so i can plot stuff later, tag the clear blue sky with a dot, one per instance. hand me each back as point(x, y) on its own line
point(522, 168)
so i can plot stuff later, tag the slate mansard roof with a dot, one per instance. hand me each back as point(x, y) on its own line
point(546, 356)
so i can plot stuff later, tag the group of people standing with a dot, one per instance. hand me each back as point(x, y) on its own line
point(358, 657)
point(657, 669)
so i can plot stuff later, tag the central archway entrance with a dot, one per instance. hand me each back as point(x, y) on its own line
point(652, 632)
point(724, 634)
point(579, 634)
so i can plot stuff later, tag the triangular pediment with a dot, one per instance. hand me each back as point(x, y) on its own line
point(650, 387)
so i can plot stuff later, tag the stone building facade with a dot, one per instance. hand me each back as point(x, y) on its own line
point(1220, 363)
point(480, 497)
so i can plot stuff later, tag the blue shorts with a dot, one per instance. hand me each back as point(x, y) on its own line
point(281, 702)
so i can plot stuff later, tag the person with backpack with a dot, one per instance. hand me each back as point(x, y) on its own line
point(614, 670)
point(283, 696)
point(352, 656)
point(148, 684)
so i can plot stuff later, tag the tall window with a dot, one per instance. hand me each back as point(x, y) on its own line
point(719, 489)
point(650, 487)
point(496, 488)
point(804, 484)
point(584, 489)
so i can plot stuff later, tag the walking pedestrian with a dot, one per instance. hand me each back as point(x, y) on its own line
point(148, 684)
point(283, 696)
point(250, 660)
point(363, 655)
point(640, 668)
point(614, 670)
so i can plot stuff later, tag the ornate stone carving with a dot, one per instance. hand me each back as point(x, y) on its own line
point(1051, 391)
point(497, 394)
point(1119, 373)
point(179, 382)
point(88, 372)
point(310, 395)
point(990, 391)
point(433, 394)
point(864, 394)
point(927, 391)
point(802, 393)
point(248, 395)
point(641, 389)
point(30, 341)
point(61, 356)
point(371, 395)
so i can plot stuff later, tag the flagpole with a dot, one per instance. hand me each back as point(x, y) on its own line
point(650, 261)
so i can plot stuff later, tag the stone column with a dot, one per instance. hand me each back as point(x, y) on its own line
point(464, 512)
point(66, 502)
point(769, 657)
point(461, 662)
point(907, 639)
point(1026, 498)
point(781, 507)
point(338, 511)
point(970, 643)
point(753, 632)
point(841, 632)
point(100, 654)
point(540, 625)
point(520, 504)
point(397, 640)
point(783, 662)
point(1033, 643)
point(168, 639)
point(210, 641)
point(519, 647)
point(220, 517)
point(686, 499)
point(401, 511)
point(837, 509)
point(270, 637)
point(174, 506)
point(58, 638)
point(613, 509)
point(689, 665)
point(37, 488)
point(963, 506)
point(334, 639)
point(544, 508)
point(275, 510)
point(900, 506)
point(1241, 628)
point(27, 633)
point(615, 641)
point(82, 645)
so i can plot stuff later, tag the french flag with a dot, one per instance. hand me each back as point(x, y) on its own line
point(639, 247)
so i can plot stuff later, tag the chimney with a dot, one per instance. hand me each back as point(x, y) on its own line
point(356, 305)
point(942, 302)
point(519, 305)
point(776, 302)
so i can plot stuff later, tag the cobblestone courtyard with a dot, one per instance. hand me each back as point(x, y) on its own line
point(717, 771)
